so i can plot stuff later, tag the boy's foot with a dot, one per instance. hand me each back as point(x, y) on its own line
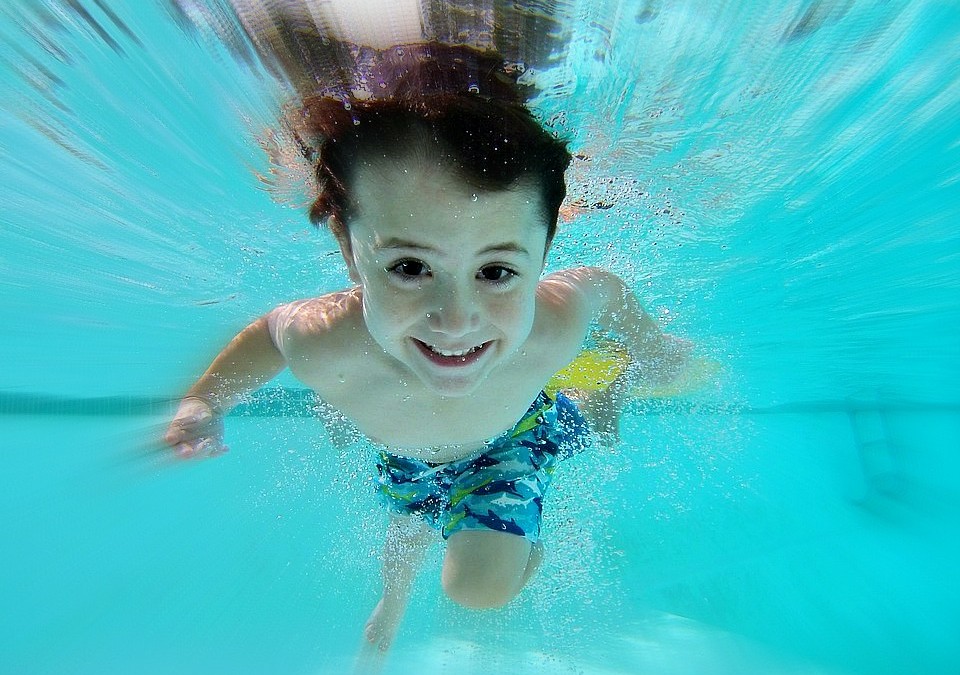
point(382, 625)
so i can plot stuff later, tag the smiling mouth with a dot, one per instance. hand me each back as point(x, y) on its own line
point(448, 357)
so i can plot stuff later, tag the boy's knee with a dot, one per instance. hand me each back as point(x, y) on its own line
point(478, 593)
point(485, 569)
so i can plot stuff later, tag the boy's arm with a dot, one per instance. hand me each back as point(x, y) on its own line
point(247, 362)
point(250, 360)
point(658, 357)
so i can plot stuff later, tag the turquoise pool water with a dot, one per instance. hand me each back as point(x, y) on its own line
point(784, 188)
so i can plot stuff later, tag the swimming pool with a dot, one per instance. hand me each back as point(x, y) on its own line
point(782, 184)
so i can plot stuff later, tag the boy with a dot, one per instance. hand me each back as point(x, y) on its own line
point(443, 198)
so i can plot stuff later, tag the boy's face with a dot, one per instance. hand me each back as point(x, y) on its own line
point(449, 274)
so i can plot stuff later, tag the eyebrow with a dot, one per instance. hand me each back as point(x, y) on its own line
point(506, 247)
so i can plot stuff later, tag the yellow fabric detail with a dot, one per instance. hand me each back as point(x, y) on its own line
point(595, 369)
point(592, 370)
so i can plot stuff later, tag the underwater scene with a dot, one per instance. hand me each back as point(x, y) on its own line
point(778, 183)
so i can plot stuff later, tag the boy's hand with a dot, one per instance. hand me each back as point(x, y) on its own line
point(196, 430)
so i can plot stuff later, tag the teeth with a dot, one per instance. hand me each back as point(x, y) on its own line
point(461, 352)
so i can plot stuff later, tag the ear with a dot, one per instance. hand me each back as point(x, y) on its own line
point(346, 250)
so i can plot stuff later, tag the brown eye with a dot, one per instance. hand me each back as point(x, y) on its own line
point(409, 269)
point(496, 273)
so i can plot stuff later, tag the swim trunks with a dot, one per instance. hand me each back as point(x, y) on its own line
point(499, 489)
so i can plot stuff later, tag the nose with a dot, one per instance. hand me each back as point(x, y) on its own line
point(455, 312)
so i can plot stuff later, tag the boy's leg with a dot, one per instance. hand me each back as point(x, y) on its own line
point(485, 569)
point(602, 409)
point(406, 544)
point(533, 564)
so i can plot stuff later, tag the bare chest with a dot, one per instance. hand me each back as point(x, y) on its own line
point(401, 414)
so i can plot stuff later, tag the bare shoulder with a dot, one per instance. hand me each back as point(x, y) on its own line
point(305, 325)
point(573, 294)
point(566, 305)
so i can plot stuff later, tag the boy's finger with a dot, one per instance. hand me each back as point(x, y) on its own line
point(184, 450)
point(211, 446)
point(222, 450)
point(205, 445)
point(180, 432)
point(174, 436)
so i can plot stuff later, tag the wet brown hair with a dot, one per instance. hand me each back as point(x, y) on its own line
point(457, 104)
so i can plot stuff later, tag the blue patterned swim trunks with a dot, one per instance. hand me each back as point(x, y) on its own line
point(499, 489)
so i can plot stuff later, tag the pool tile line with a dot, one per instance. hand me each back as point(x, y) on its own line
point(287, 402)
